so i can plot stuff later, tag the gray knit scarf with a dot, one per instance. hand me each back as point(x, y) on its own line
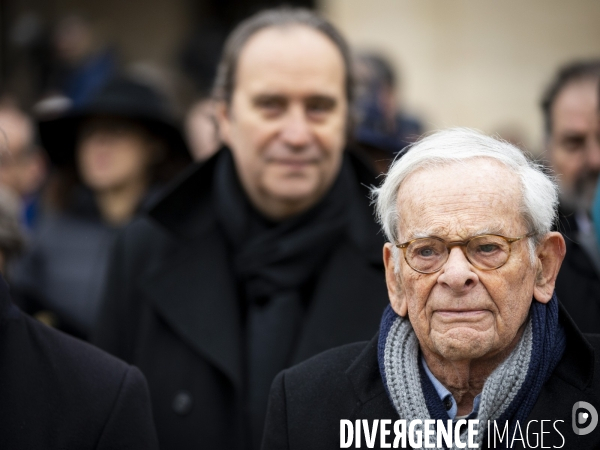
point(401, 360)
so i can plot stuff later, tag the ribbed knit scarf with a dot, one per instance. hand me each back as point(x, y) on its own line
point(509, 393)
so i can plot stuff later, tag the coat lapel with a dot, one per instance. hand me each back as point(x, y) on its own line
point(342, 310)
point(350, 283)
point(194, 292)
point(571, 381)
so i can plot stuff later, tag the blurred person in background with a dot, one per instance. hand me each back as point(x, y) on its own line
point(58, 392)
point(11, 236)
point(383, 128)
point(201, 129)
point(81, 63)
point(570, 108)
point(261, 257)
point(12, 241)
point(23, 167)
point(112, 155)
point(596, 202)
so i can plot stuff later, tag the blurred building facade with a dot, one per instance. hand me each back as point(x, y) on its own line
point(175, 37)
point(480, 64)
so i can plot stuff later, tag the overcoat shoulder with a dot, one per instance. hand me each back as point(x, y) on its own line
point(58, 392)
point(172, 308)
point(309, 400)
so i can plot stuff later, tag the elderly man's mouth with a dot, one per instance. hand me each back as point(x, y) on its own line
point(461, 315)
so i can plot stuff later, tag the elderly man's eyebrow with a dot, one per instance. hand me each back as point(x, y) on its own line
point(418, 234)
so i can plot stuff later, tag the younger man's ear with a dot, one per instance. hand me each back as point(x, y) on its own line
point(222, 114)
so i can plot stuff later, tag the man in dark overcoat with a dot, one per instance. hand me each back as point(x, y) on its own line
point(474, 341)
point(60, 393)
point(572, 127)
point(263, 256)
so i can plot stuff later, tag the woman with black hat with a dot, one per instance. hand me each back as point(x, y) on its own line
point(112, 155)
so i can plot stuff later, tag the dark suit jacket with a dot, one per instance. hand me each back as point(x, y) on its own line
point(308, 401)
point(172, 309)
point(57, 392)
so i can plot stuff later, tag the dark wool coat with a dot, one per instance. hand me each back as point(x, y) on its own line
point(308, 401)
point(172, 309)
point(578, 282)
point(60, 393)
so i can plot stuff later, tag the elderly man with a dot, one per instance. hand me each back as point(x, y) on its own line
point(473, 330)
point(263, 256)
point(570, 107)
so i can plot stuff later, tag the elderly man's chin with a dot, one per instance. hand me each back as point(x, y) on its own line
point(464, 339)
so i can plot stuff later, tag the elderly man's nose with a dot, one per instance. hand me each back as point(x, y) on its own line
point(296, 129)
point(457, 273)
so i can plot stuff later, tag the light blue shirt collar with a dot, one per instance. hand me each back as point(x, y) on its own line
point(446, 396)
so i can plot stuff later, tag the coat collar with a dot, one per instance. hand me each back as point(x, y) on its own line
point(185, 209)
point(576, 366)
point(193, 282)
point(8, 310)
point(190, 287)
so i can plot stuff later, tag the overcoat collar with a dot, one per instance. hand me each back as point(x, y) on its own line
point(193, 283)
point(8, 310)
point(576, 368)
point(186, 209)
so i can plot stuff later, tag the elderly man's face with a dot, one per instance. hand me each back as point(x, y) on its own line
point(575, 142)
point(287, 118)
point(462, 312)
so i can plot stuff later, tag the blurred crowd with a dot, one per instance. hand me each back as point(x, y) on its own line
point(101, 141)
point(104, 146)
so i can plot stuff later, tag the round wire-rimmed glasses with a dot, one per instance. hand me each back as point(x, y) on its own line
point(485, 252)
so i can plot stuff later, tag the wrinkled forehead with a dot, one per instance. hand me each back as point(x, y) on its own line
point(460, 199)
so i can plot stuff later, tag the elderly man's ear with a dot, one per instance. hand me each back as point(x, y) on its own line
point(549, 256)
point(395, 291)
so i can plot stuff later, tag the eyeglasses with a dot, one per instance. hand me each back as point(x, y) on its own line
point(485, 252)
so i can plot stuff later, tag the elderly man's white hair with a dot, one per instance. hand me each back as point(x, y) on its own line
point(539, 200)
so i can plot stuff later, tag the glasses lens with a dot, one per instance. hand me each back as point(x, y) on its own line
point(488, 252)
point(426, 255)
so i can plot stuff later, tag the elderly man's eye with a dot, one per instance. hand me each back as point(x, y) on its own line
point(487, 248)
point(426, 252)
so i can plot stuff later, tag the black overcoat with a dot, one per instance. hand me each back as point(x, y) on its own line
point(308, 401)
point(578, 281)
point(57, 392)
point(173, 310)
